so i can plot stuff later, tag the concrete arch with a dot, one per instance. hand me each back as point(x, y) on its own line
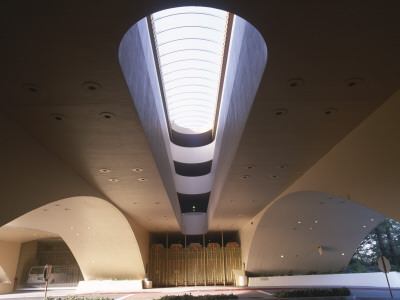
point(98, 234)
point(308, 231)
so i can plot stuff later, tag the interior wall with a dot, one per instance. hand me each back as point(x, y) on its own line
point(9, 253)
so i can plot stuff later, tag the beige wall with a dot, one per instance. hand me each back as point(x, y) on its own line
point(26, 260)
point(9, 253)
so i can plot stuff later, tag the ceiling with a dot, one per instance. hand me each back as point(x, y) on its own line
point(64, 98)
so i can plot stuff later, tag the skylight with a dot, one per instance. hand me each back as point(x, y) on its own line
point(190, 45)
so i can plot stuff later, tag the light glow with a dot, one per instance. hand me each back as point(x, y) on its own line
point(190, 43)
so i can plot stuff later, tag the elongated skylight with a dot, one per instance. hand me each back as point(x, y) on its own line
point(190, 43)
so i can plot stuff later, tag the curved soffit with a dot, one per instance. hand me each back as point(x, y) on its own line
point(291, 230)
point(97, 233)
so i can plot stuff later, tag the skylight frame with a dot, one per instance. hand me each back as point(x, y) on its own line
point(196, 87)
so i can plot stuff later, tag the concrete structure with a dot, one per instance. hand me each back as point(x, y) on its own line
point(313, 171)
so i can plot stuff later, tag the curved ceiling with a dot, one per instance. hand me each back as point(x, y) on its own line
point(97, 233)
point(66, 111)
point(308, 232)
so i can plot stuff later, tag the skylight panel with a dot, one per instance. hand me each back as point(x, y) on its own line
point(190, 44)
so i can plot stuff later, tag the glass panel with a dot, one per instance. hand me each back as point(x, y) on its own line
point(190, 47)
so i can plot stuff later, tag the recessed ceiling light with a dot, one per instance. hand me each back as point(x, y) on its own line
point(66, 209)
point(245, 176)
point(250, 167)
point(283, 166)
point(31, 88)
point(107, 115)
point(112, 179)
point(274, 175)
point(143, 179)
point(280, 112)
point(352, 82)
point(157, 203)
point(316, 221)
point(329, 111)
point(295, 82)
point(299, 222)
point(364, 226)
point(104, 170)
point(91, 86)
point(72, 227)
point(310, 228)
point(76, 233)
point(137, 170)
point(282, 256)
point(57, 117)
point(342, 254)
point(372, 220)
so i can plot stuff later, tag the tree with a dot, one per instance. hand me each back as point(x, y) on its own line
point(384, 240)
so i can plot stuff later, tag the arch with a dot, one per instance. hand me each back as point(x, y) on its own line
point(308, 231)
point(98, 234)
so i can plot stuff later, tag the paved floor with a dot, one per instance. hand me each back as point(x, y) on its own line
point(150, 294)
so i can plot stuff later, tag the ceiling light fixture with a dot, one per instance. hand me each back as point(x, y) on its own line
point(137, 169)
point(107, 115)
point(280, 112)
point(295, 82)
point(104, 170)
point(352, 82)
point(329, 111)
point(91, 86)
point(143, 179)
point(32, 88)
point(57, 117)
point(113, 179)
